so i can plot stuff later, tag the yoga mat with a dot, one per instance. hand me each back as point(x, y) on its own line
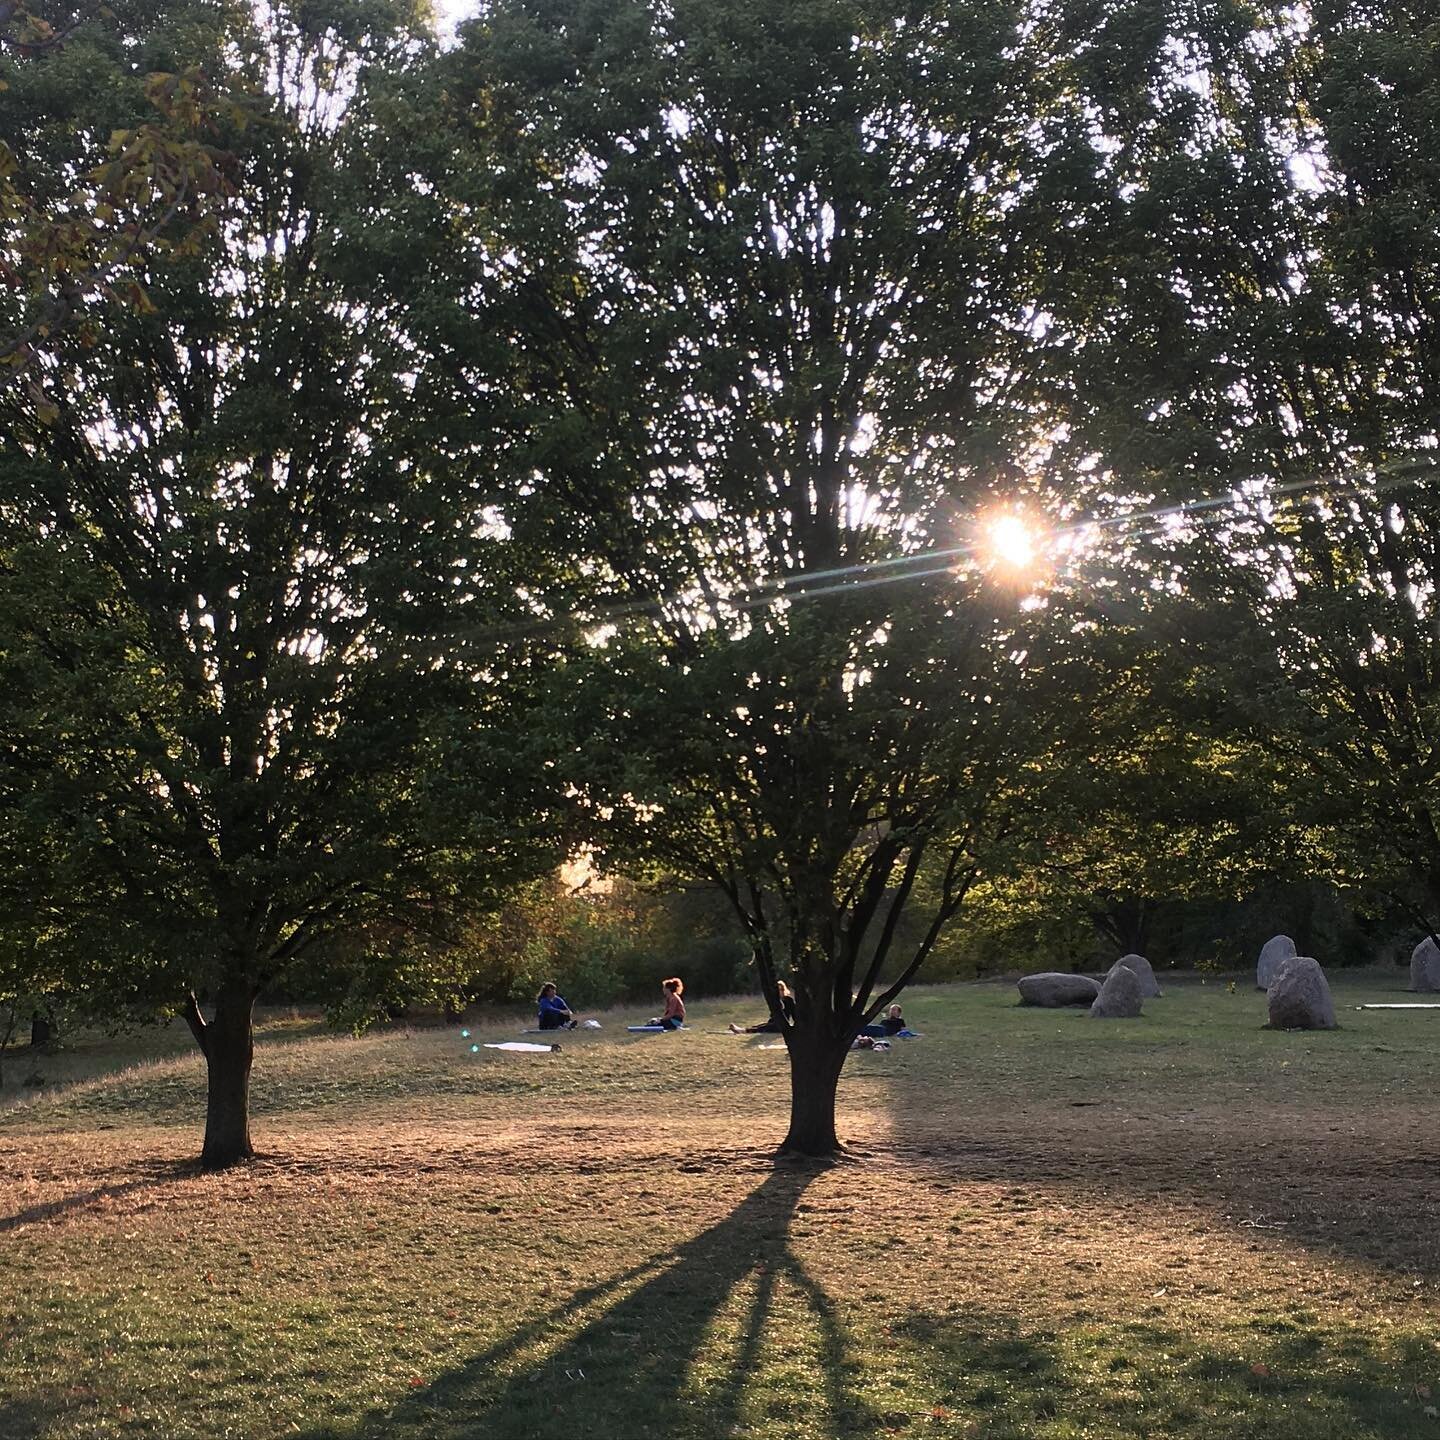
point(522, 1045)
point(651, 1029)
point(1410, 1005)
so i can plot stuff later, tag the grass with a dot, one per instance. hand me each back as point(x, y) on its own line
point(94, 1054)
point(1183, 1226)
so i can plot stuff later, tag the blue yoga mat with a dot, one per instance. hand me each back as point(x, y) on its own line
point(651, 1029)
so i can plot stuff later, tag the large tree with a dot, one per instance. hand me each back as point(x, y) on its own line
point(779, 276)
point(1270, 234)
point(239, 534)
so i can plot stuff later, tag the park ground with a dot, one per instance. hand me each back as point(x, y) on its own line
point(1182, 1226)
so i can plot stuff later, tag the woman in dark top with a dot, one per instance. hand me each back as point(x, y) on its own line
point(889, 1024)
point(774, 1023)
point(555, 1014)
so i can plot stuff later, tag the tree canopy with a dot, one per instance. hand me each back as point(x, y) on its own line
point(237, 536)
point(1280, 191)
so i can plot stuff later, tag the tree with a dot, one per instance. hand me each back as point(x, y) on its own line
point(1318, 634)
point(1173, 812)
point(27, 995)
point(779, 276)
point(237, 545)
point(1273, 213)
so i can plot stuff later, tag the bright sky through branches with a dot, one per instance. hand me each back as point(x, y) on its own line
point(449, 14)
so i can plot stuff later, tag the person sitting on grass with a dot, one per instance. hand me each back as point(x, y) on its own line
point(777, 1018)
point(555, 1014)
point(891, 1024)
point(674, 1016)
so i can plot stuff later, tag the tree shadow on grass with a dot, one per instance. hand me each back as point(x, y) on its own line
point(1342, 1199)
point(23, 1419)
point(1138, 1378)
point(153, 1175)
point(668, 1355)
point(706, 1349)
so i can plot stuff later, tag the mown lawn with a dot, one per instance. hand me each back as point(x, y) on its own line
point(1182, 1226)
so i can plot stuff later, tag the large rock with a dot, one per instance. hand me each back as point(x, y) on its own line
point(1144, 972)
point(1299, 997)
point(1120, 995)
point(1425, 966)
point(1273, 955)
point(1054, 988)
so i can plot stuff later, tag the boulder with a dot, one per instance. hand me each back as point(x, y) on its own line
point(1144, 973)
point(1120, 995)
point(1299, 997)
point(1273, 954)
point(1054, 988)
point(1425, 967)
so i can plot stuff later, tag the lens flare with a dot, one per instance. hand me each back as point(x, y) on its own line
point(1011, 542)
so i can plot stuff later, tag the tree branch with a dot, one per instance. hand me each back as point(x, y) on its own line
point(196, 1021)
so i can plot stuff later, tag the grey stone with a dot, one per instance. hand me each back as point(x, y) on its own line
point(1273, 955)
point(1425, 967)
point(1299, 997)
point(1054, 988)
point(1120, 995)
point(1144, 973)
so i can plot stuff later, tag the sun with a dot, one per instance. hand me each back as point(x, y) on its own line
point(1011, 542)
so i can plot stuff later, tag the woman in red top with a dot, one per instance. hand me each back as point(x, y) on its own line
point(674, 1016)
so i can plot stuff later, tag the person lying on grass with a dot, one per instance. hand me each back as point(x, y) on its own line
point(892, 1024)
point(776, 1021)
point(555, 1014)
point(674, 1016)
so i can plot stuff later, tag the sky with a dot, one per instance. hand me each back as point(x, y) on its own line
point(449, 13)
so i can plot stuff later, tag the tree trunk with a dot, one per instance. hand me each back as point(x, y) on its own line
point(1125, 922)
point(815, 1065)
point(9, 1019)
point(1305, 921)
point(229, 1047)
point(42, 1032)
